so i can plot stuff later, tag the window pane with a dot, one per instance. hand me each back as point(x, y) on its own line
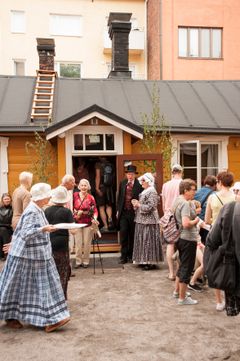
point(19, 68)
point(216, 43)
point(67, 25)
point(109, 141)
point(205, 43)
point(94, 142)
point(18, 22)
point(190, 173)
point(70, 70)
point(78, 142)
point(209, 155)
point(182, 42)
point(188, 155)
point(193, 33)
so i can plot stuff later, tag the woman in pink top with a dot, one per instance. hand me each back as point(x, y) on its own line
point(84, 212)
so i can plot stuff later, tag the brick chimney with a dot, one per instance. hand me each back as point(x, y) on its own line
point(46, 53)
point(119, 29)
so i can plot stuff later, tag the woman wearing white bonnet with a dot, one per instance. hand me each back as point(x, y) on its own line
point(30, 288)
point(147, 251)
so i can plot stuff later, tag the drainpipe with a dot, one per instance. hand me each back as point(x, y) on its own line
point(145, 42)
point(160, 39)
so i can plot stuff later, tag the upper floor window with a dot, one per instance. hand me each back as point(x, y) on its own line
point(68, 70)
point(66, 25)
point(18, 21)
point(19, 67)
point(199, 42)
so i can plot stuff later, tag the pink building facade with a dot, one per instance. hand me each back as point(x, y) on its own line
point(197, 39)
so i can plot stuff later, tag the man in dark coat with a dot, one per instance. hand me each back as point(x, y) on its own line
point(129, 189)
point(217, 237)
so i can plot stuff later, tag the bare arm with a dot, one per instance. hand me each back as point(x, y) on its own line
point(208, 213)
point(97, 181)
point(188, 223)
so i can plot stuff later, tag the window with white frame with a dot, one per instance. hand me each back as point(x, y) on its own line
point(68, 70)
point(199, 159)
point(94, 141)
point(18, 21)
point(19, 67)
point(65, 25)
point(194, 42)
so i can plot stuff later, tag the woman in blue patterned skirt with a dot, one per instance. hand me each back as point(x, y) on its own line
point(30, 288)
point(147, 251)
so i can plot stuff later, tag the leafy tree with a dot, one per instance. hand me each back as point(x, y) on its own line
point(156, 134)
point(43, 158)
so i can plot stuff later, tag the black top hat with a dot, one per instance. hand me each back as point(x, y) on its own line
point(131, 169)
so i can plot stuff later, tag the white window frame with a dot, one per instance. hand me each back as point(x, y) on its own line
point(18, 28)
point(58, 63)
point(211, 45)
point(69, 142)
point(222, 142)
point(4, 165)
point(58, 30)
point(15, 61)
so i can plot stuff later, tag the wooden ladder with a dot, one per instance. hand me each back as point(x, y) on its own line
point(42, 105)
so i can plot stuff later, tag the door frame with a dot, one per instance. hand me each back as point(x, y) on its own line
point(136, 157)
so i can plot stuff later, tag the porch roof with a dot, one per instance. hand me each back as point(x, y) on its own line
point(187, 106)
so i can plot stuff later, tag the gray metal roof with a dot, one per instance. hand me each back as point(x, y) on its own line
point(188, 106)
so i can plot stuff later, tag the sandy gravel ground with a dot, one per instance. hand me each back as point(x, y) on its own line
point(127, 314)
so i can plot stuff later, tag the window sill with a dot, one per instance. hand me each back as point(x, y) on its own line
point(198, 58)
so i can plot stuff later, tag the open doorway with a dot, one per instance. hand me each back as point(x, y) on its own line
point(101, 170)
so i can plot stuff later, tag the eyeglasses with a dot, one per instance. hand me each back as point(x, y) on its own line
point(143, 180)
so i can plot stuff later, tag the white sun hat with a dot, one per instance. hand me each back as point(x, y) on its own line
point(60, 195)
point(40, 191)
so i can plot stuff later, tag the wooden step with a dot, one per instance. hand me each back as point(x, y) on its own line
point(45, 82)
point(46, 72)
point(44, 87)
point(44, 94)
point(40, 115)
point(41, 107)
point(36, 100)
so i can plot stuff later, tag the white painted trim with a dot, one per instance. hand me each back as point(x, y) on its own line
point(89, 116)
point(222, 141)
point(4, 165)
point(101, 129)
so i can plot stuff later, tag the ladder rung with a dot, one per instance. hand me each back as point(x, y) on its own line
point(46, 75)
point(46, 72)
point(40, 115)
point(42, 107)
point(45, 94)
point(44, 87)
point(42, 100)
point(45, 82)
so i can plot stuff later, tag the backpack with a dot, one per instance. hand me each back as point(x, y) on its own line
point(169, 226)
point(108, 175)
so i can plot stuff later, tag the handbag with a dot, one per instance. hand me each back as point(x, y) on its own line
point(219, 263)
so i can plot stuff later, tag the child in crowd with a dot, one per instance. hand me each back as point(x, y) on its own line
point(198, 274)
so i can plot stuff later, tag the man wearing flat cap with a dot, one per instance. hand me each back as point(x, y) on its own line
point(129, 189)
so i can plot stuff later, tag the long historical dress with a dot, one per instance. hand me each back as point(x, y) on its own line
point(147, 242)
point(30, 287)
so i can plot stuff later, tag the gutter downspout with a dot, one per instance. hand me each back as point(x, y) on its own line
point(145, 42)
point(160, 40)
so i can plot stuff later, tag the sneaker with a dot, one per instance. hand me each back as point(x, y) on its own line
point(187, 301)
point(195, 287)
point(220, 307)
point(176, 294)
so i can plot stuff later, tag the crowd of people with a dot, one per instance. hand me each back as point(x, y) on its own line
point(35, 245)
